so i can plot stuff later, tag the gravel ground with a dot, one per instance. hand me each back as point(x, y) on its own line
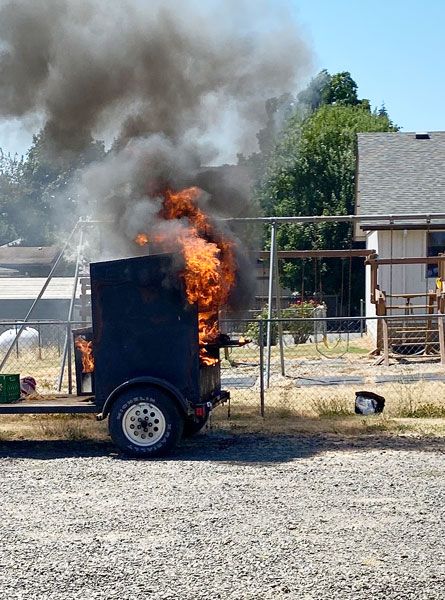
point(226, 517)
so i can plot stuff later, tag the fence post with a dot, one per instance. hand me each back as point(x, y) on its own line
point(58, 341)
point(440, 327)
point(278, 309)
point(16, 342)
point(362, 314)
point(71, 307)
point(70, 366)
point(273, 249)
point(261, 340)
point(40, 341)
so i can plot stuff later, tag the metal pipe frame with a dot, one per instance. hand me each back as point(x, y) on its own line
point(322, 219)
point(339, 218)
point(70, 315)
point(261, 342)
point(42, 291)
point(359, 253)
point(278, 308)
point(316, 319)
point(273, 249)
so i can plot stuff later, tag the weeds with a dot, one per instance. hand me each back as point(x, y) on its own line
point(418, 400)
point(334, 406)
point(51, 427)
point(63, 427)
point(427, 410)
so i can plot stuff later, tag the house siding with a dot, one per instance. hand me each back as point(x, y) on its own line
point(404, 279)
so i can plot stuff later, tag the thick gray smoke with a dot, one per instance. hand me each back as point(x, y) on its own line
point(135, 68)
point(125, 190)
point(176, 85)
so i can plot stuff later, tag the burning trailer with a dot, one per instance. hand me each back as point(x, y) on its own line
point(151, 376)
point(150, 360)
point(142, 364)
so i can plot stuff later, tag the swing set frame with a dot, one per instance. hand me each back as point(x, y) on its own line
point(275, 222)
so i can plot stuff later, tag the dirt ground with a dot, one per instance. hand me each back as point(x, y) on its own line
point(229, 515)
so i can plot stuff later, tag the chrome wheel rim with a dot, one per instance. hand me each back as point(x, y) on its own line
point(144, 424)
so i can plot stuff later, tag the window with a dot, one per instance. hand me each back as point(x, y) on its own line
point(435, 246)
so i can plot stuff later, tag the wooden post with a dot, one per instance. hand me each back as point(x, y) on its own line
point(385, 342)
point(441, 265)
point(374, 282)
point(380, 311)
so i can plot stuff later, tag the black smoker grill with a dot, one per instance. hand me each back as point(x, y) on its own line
point(143, 324)
point(146, 354)
point(147, 379)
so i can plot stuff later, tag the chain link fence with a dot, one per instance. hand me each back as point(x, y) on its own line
point(313, 366)
point(43, 351)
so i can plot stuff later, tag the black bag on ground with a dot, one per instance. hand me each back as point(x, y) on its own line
point(368, 403)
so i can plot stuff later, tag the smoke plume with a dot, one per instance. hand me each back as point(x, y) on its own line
point(139, 68)
point(176, 85)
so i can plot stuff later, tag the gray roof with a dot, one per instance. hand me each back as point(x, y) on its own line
point(19, 256)
point(398, 173)
point(15, 288)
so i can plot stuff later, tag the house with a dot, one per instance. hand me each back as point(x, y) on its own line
point(17, 295)
point(27, 261)
point(401, 173)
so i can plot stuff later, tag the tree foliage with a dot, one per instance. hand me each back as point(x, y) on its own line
point(312, 172)
point(341, 90)
point(11, 173)
point(35, 204)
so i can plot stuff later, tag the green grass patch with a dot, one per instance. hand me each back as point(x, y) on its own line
point(427, 410)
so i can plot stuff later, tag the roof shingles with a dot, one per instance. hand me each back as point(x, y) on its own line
point(399, 174)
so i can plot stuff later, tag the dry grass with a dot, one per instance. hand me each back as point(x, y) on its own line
point(410, 408)
point(44, 366)
point(249, 421)
point(244, 419)
point(52, 427)
point(424, 399)
point(416, 408)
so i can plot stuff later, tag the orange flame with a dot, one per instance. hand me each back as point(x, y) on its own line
point(86, 349)
point(141, 239)
point(210, 266)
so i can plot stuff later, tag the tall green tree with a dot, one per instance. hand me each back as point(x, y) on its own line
point(341, 89)
point(312, 172)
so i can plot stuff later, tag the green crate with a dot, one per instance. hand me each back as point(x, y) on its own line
point(9, 388)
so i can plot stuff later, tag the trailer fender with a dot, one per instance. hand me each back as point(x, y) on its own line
point(170, 389)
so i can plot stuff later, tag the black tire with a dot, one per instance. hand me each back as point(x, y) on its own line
point(145, 422)
point(194, 426)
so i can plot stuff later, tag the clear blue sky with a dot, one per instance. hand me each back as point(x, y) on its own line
point(394, 50)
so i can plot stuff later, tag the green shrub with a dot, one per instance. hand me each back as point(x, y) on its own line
point(296, 326)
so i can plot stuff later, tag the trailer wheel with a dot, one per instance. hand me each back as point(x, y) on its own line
point(145, 422)
point(194, 426)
